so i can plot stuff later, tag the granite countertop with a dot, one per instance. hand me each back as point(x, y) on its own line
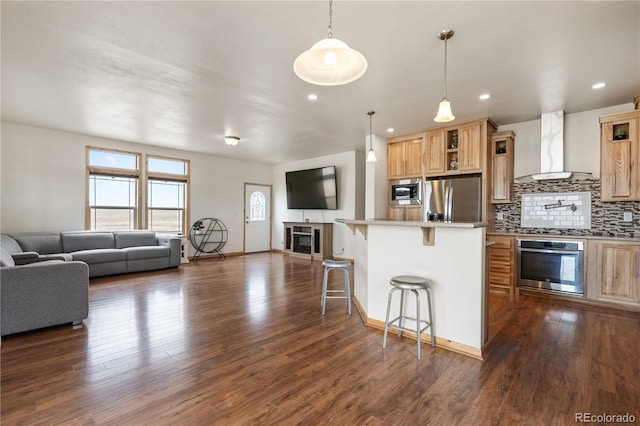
point(564, 236)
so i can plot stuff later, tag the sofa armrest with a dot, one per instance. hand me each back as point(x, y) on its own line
point(25, 257)
point(174, 245)
point(43, 294)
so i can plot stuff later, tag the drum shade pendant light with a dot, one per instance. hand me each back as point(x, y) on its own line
point(330, 62)
point(444, 110)
point(371, 156)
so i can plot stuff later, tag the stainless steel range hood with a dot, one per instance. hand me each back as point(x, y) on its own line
point(552, 151)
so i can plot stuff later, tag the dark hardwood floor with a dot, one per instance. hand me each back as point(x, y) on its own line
point(242, 341)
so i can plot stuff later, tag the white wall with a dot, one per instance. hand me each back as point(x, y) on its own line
point(350, 175)
point(376, 185)
point(581, 141)
point(44, 182)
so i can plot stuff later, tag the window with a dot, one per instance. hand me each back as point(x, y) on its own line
point(114, 188)
point(257, 206)
point(167, 194)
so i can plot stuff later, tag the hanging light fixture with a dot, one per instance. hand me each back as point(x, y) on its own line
point(330, 62)
point(444, 110)
point(371, 156)
point(231, 140)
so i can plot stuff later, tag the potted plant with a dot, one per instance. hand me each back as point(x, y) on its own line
point(620, 134)
point(197, 226)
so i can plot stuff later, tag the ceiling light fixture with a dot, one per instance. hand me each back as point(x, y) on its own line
point(444, 110)
point(598, 85)
point(330, 62)
point(371, 156)
point(390, 130)
point(484, 96)
point(231, 140)
point(312, 97)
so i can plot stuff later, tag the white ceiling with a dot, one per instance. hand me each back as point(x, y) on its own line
point(184, 74)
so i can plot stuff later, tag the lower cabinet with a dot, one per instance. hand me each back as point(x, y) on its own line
point(501, 264)
point(613, 272)
point(405, 213)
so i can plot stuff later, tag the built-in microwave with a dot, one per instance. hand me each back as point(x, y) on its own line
point(405, 191)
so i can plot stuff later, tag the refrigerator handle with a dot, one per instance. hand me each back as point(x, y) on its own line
point(450, 203)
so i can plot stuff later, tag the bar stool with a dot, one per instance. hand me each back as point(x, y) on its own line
point(343, 265)
point(410, 283)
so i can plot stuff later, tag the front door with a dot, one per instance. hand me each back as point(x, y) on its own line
point(257, 217)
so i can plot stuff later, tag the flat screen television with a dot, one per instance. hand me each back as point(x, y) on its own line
point(312, 189)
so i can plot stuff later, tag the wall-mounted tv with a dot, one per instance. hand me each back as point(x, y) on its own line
point(312, 189)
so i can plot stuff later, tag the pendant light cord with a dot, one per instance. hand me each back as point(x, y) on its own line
point(370, 113)
point(444, 91)
point(330, 29)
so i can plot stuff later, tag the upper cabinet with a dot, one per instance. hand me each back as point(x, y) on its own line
point(501, 151)
point(404, 156)
point(457, 149)
point(620, 157)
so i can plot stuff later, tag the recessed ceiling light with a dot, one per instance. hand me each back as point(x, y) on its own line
point(598, 85)
point(312, 97)
point(484, 96)
point(390, 130)
point(231, 140)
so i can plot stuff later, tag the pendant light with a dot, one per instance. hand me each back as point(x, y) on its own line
point(330, 62)
point(444, 110)
point(371, 156)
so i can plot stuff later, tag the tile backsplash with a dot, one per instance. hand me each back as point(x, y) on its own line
point(606, 218)
point(557, 210)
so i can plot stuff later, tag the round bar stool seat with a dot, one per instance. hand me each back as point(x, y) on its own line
point(342, 265)
point(413, 284)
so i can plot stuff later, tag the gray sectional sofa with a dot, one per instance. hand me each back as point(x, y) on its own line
point(105, 252)
point(44, 276)
point(42, 293)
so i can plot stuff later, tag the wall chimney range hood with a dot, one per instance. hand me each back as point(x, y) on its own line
point(552, 151)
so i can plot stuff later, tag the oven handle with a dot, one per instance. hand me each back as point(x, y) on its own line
point(576, 252)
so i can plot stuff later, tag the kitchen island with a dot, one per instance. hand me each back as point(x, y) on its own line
point(451, 255)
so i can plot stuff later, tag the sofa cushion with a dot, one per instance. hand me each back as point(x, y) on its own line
point(99, 256)
point(139, 253)
point(40, 242)
point(87, 240)
point(126, 239)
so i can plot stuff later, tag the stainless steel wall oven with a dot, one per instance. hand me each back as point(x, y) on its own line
point(551, 265)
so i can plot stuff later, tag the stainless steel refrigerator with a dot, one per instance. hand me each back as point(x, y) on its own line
point(454, 199)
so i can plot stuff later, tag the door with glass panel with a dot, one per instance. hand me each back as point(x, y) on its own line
point(257, 220)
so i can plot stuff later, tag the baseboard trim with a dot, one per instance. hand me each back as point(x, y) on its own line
point(425, 338)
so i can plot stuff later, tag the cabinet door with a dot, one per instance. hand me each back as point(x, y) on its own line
point(413, 213)
point(395, 160)
point(619, 162)
point(617, 273)
point(395, 213)
point(500, 186)
point(501, 264)
point(470, 151)
point(434, 157)
point(413, 158)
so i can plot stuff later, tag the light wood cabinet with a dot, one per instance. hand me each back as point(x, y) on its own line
point(613, 275)
point(308, 240)
point(458, 149)
point(501, 264)
point(404, 157)
point(620, 157)
point(405, 213)
point(502, 167)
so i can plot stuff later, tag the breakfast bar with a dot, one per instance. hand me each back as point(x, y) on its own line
point(451, 255)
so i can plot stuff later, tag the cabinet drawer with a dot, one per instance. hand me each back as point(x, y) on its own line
point(501, 242)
